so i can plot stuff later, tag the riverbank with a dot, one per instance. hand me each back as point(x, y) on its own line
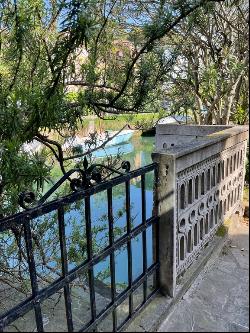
point(114, 123)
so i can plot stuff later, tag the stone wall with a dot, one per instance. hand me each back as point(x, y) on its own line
point(201, 180)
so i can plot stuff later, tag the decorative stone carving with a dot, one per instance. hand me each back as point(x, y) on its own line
point(207, 193)
point(204, 187)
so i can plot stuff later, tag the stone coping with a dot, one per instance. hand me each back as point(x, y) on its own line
point(235, 133)
point(197, 130)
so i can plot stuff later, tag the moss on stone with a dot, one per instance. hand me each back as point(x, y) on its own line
point(222, 231)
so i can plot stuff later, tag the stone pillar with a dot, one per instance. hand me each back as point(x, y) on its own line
point(166, 197)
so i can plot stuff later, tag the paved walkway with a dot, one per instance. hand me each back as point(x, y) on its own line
point(218, 301)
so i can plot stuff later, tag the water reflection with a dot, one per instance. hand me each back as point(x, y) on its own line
point(126, 148)
point(47, 252)
point(139, 155)
point(138, 152)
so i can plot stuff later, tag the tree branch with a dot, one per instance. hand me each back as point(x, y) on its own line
point(94, 149)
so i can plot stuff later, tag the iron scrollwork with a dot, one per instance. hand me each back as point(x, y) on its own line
point(88, 176)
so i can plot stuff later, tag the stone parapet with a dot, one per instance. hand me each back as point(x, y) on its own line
point(201, 180)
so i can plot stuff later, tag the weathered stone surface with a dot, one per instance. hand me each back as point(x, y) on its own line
point(201, 179)
point(219, 299)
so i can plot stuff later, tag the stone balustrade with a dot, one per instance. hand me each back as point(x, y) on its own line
point(200, 185)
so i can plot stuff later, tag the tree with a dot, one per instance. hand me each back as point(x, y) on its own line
point(210, 77)
point(39, 44)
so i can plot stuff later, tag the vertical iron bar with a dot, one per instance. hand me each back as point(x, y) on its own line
point(144, 235)
point(90, 256)
point(116, 300)
point(112, 255)
point(64, 261)
point(33, 275)
point(129, 247)
point(155, 226)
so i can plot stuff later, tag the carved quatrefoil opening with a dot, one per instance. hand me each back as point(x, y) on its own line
point(202, 208)
point(192, 216)
point(182, 225)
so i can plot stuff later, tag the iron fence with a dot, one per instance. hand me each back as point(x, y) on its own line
point(70, 274)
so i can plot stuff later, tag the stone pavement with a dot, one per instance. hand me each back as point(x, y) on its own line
point(218, 300)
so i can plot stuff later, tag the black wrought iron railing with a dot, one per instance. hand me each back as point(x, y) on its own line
point(78, 283)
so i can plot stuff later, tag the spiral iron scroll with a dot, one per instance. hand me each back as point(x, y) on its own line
point(88, 176)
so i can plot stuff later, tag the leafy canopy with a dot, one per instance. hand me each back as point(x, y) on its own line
point(61, 59)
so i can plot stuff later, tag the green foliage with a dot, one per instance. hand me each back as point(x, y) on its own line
point(211, 76)
point(136, 121)
point(63, 60)
point(20, 171)
point(240, 116)
point(222, 231)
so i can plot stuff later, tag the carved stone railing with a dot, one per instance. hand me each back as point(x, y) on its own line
point(200, 185)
